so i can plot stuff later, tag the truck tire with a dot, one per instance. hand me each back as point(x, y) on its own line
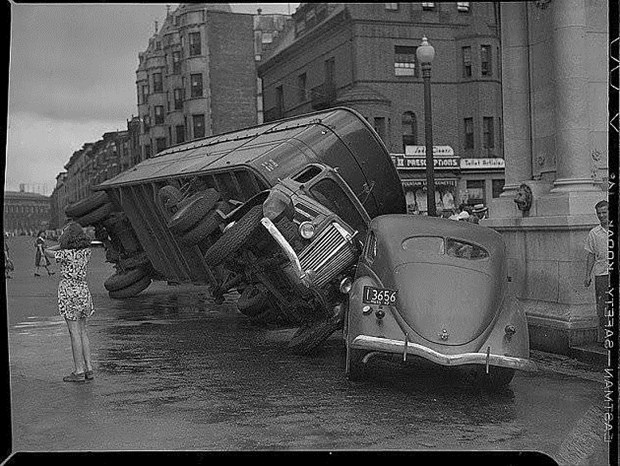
point(235, 237)
point(131, 290)
point(207, 225)
point(135, 261)
point(310, 336)
point(193, 211)
point(169, 197)
point(122, 280)
point(253, 301)
point(84, 206)
point(118, 226)
point(99, 214)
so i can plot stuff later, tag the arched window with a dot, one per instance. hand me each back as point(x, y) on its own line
point(409, 129)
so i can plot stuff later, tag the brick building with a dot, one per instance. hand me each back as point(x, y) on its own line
point(59, 202)
point(26, 213)
point(197, 77)
point(363, 56)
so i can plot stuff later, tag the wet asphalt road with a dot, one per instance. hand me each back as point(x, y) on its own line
point(174, 371)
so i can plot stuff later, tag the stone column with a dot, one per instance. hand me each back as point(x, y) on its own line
point(571, 82)
point(516, 96)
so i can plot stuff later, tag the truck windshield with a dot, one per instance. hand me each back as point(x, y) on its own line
point(328, 193)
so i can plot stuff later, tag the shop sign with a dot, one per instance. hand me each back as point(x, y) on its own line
point(482, 164)
point(403, 162)
point(422, 183)
point(421, 151)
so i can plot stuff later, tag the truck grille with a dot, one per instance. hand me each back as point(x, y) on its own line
point(328, 255)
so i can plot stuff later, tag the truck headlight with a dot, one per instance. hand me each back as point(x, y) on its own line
point(276, 204)
point(306, 230)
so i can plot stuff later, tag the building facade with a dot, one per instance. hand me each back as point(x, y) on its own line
point(26, 213)
point(363, 56)
point(555, 107)
point(59, 202)
point(197, 77)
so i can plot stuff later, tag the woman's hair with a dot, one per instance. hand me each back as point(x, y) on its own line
point(73, 237)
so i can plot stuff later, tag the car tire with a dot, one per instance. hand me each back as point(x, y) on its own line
point(98, 215)
point(169, 197)
point(235, 237)
point(193, 211)
point(252, 301)
point(84, 206)
point(207, 225)
point(355, 368)
point(310, 336)
point(131, 290)
point(122, 280)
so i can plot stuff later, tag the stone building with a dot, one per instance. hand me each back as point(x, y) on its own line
point(26, 213)
point(363, 56)
point(197, 76)
point(554, 91)
point(59, 202)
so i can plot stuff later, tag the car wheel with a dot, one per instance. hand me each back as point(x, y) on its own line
point(169, 197)
point(207, 225)
point(98, 215)
point(131, 290)
point(310, 336)
point(122, 280)
point(81, 208)
point(355, 368)
point(235, 237)
point(193, 211)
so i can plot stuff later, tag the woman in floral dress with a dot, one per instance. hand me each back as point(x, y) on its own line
point(75, 302)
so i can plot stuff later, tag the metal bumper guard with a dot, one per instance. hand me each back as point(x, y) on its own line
point(401, 347)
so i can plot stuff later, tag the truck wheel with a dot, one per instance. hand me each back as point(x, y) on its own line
point(310, 336)
point(99, 214)
point(235, 237)
point(356, 368)
point(124, 279)
point(207, 225)
point(87, 205)
point(117, 225)
point(131, 290)
point(169, 197)
point(253, 301)
point(135, 261)
point(193, 211)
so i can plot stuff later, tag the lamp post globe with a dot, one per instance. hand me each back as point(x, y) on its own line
point(425, 54)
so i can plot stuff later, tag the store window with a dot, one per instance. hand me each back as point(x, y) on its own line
point(466, 62)
point(475, 192)
point(469, 133)
point(409, 129)
point(405, 60)
point(486, 68)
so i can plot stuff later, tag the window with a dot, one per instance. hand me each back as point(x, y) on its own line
point(146, 121)
point(176, 62)
point(330, 72)
point(194, 44)
point(329, 194)
point(469, 133)
point(497, 187)
point(199, 125)
point(463, 250)
point(467, 62)
point(280, 100)
point(405, 60)
point(485, 60)
point(428, 5)
point(266, 38)
point(145, 93)
point(147, 151)
point(391, 6)
point(161, 144)
point(380, 127)
point(409, 129)
point(180, 133)
point(158, 85)
point(158, 45)
point(488, 138)
point(196, 84)
point(178, 99)
point(301, 87)
point(159, 115)
point(370, 248)
point(462, 7)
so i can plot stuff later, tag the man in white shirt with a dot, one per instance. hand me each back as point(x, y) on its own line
point(596, 246)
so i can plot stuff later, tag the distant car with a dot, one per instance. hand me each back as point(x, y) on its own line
point(436, 289)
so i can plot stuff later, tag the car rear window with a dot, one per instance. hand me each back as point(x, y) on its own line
point(440, 246)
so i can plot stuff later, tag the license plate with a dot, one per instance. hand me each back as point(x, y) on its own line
point(381, 296)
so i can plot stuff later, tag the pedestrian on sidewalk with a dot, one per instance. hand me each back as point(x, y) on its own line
point(596, 246)
point(75, 302)
point(40, 259)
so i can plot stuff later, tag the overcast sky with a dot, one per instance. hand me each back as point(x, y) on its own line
point(72, 78)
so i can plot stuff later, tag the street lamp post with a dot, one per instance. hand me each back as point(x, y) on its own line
point(425, 53)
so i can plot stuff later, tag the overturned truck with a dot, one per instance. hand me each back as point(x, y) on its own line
point(278, 212)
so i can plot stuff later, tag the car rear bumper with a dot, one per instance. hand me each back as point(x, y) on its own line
point(386, 345)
